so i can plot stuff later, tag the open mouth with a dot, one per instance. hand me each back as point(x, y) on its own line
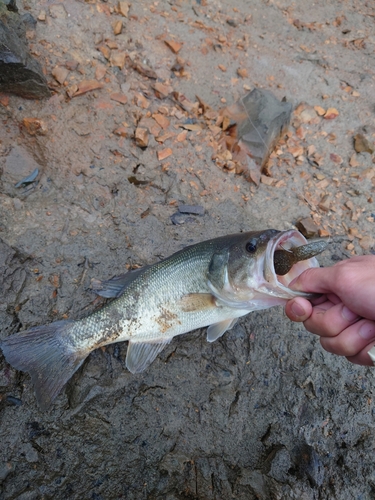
point(287, 240)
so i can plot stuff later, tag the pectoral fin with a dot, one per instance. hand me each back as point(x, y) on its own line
point(141, 354)
point(218, 329)
point(218, 269)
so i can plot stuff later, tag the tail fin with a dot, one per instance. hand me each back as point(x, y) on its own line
point(44, 353)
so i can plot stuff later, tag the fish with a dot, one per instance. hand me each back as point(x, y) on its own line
point(209, 284)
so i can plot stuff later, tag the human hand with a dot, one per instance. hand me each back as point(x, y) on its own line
point(344, 316)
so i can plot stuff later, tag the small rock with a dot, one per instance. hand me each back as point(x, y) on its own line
point(307, 227)
point(105, 51)
point(161, 120)
point(162, 90)
point(11, 400)
point(174, 46)
point(331, 114)
point(119, 97)
point(232, 22)
point(361, 144)
point(320, 111)
point(323, 233)
point(141, 137)
point(34, 126)
point(264, 179)
point(367, 242)
point(164, 153)
point(72, 64)
point(117, 28)
point(242, 72)
point(87, 86)
point(118, 59)
point(144, 69)
point(325, 205)
point(30, 22)
point(42, 16)
point(336, 158)
point(122, 131)
point(10, 5)
point(60, 74)
point(123, 8)
point(26, 180)
point(305, 113)
point(178, 219)
point(57, 11)
point(191, 209)
point(100, 71)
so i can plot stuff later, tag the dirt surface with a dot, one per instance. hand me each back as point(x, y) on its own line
point(264, 412)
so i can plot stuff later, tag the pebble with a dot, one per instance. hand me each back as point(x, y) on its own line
point(307, 227)
point(191, 209)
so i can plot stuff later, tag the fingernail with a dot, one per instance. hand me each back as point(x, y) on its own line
point(348, 314)
point(367, 331)
point(298, 310)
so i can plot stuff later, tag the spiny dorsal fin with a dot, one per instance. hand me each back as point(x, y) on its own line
point(116, 286)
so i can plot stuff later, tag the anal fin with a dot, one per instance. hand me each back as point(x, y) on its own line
point(216, 330)
point(141, 354)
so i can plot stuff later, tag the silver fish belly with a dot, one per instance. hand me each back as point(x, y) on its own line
point(209, 284)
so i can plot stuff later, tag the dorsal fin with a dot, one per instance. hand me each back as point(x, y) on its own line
point(115, 287)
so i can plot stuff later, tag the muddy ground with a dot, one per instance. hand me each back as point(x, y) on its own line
point(264, 412)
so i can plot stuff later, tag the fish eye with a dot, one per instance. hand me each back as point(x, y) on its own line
point(251, 245)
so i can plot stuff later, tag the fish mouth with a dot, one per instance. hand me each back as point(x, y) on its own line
point(286, 241)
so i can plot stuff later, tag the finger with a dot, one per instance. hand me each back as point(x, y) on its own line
point(352, 340)
point(298, 309)
point(362, 358)
point(328, 320)
point(331, 297)
point(314, 279)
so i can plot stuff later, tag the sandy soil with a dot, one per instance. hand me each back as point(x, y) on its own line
point(263, 413)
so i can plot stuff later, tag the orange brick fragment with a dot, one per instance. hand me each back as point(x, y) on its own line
point(119, 97)
point(161, 120)
point(320, 111)
point(242, 72)
point(87, 86)
point(174, 46)
point(331, 114)
point(4, 99)
point(164, 153)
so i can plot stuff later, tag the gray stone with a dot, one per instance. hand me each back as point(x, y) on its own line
point(19, 73)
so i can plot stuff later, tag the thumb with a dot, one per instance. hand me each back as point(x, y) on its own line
point(298, 309)
point(314, 279)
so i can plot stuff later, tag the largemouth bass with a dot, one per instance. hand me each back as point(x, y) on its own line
point(212, 284)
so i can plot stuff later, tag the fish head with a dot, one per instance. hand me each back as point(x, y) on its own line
point(242, 273)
